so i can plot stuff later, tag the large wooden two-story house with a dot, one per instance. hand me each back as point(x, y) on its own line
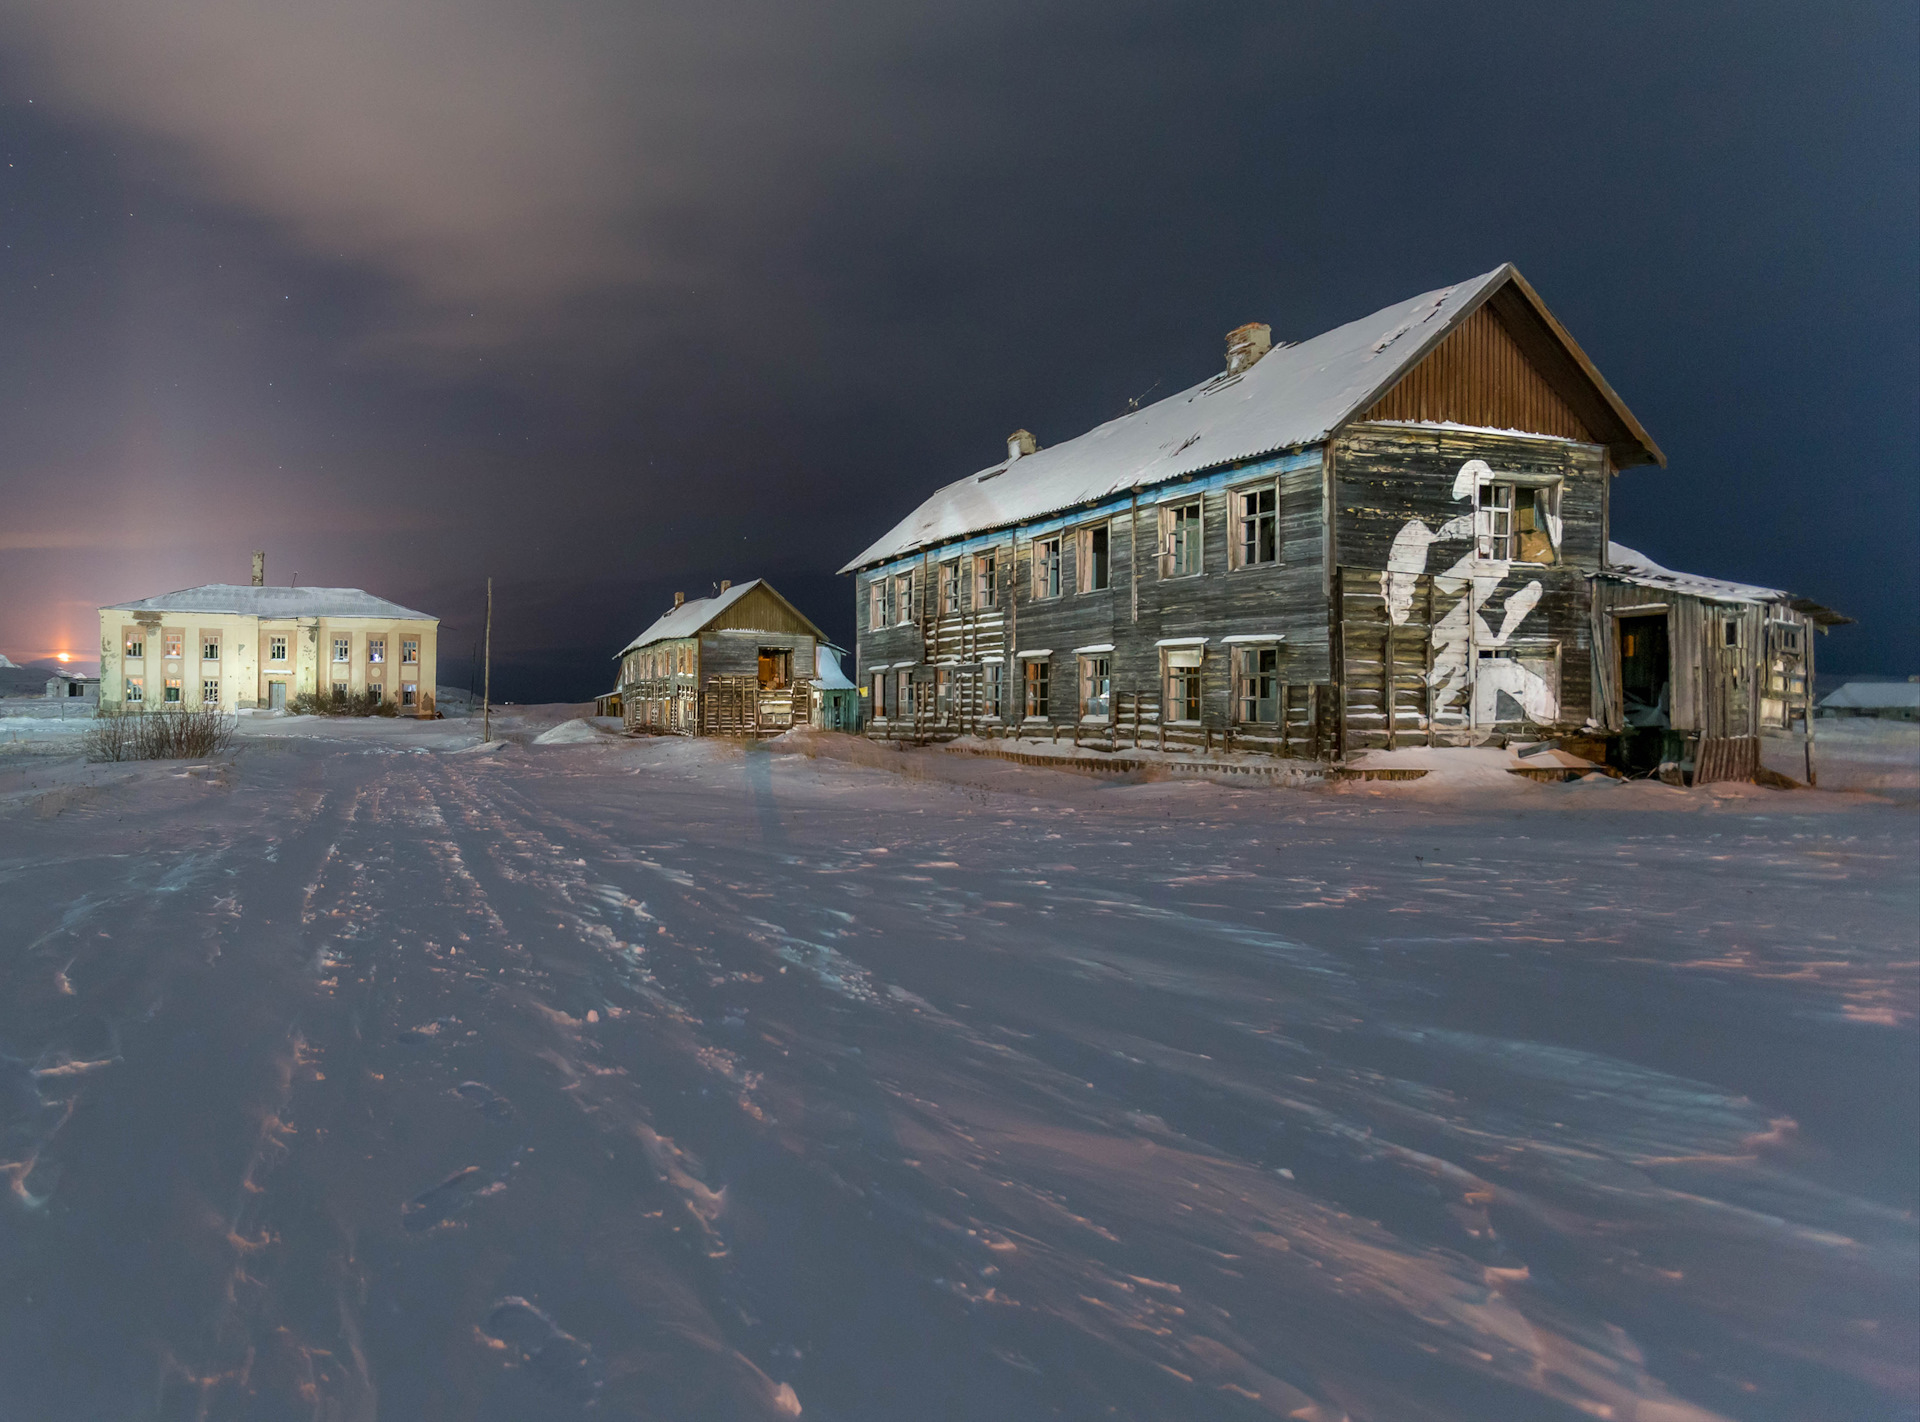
point(1383, 536)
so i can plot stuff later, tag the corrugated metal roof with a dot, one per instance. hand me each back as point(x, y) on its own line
point(1628, 566)
point(827, 673)
point(1293, 396)
point(687, 619)
point(249, 601)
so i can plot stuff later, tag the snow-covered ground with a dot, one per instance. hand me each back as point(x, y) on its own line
point(366, 1074)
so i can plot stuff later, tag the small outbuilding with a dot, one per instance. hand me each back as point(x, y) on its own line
point(70, 686)
point(836, 700)
point(739, 663)
point(1887, 700)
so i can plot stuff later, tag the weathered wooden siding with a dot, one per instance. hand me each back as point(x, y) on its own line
point(761, 610)
point(1479, 376)
point(1405, 531)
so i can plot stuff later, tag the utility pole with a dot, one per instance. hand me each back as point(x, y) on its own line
point(486, 676)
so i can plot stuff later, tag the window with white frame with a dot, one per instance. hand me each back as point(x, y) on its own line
point(175, 642)
point(1039, 679)
point(1182, 683)
point(1256, 526)
point(1093, 557)
point(173, 692)
point(903, 599)
point(1518, 521)
point(343, 649)
point(136, 645)
point(277, 648)
point(949, 587)
point(136, 689)
point(376, 649)
point(1046, 567)
point(1258, 685)
point(210, 693)
point(209, 649)
point(410, 651)
point(986, 592)
point(1180, 539)
point(409, 694)
point(1096, 684)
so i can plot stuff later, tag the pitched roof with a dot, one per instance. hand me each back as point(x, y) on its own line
point(1628, 566)
point(274, 602)
point(690, 618)
point(1874, 696)
point(1295, 395)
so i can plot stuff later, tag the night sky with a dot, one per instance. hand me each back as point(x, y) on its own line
point(616, 297)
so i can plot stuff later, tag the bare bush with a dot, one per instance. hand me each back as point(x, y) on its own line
point(339, 703)
point(136, 733)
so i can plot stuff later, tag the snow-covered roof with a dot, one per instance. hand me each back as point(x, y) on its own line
point(827, 673)
point(1628, 566)
point(688, 618)
point(1294, 396)
point(250, 601)
point(1874, 696)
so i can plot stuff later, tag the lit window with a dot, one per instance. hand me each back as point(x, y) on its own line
point(1257, 526)
point(1094, 564)
point(1259, 691)
point(276, 649)
point(1039, 678)
point(173, 690)
point(136, 690)
point(209, 650)
point(343, 649)
point(210, 693)
point(376, 649)
point(1180, 540)
point(136, 645)
point(1096, 685)
point(174, 642)
point(1046, 567)
point(409, 651)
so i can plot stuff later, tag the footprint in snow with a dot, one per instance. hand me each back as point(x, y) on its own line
point(454, 1194)
point(548, 1352)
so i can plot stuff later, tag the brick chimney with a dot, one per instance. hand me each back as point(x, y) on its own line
point(679, 599)
point(725, 583)
point(1021, 442)
point(260, 570)
point(1246, 344)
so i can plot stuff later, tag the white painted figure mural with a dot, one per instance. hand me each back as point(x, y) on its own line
point(1472, 663)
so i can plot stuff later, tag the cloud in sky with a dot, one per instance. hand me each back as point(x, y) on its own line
point(498, 160)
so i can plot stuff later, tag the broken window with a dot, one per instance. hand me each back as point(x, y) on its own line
point(174, 642)
point(985, 592)
point(277, 649)
point(776, 668)
point(1519, 522)
point(1257, 526)
point(1046, 567)
point(1259, 689)
point(1183, 682)
point(210, 693)
point(1096, 685)
point(1039, 677)
point(903, 599)
point(1095, 570)
point(949, 587)
point(1180, 540)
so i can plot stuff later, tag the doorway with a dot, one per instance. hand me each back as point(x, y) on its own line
point(1646, 690)
point(277, 695)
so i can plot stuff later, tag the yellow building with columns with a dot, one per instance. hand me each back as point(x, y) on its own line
point(238, 647)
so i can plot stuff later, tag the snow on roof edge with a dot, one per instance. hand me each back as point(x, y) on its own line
point(247, 600)
point(1631, 566)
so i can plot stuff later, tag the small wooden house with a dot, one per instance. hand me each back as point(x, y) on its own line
point(1711, 677)
point(1387, 535)
point(739, 663)
point(835, 699)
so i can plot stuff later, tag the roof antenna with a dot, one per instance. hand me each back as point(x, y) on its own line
point(1134, 403)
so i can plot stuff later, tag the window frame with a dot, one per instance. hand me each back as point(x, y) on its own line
point(1237, 501)
point(903, 598)
point(1246, 673)
point(952, 587)
point(277, 646)
point(1170, 529)
point(173, 691)
point(209, 650)
point(1036, 678)
point(136, 646)
point(209, 692)
point(343, 649)
point(1193, 698)
point(1096, 667)
point(1085, 561)
point(993, 690)
point(173, 646)
point(409, 693)
point(376, 651)
point(986, 569)
point(1490, 516)
point(136, 689)
point(1050, 560)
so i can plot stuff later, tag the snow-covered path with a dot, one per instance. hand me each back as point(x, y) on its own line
point(664, 1080)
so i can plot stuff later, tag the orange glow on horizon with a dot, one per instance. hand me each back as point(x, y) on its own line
point(66, 657)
